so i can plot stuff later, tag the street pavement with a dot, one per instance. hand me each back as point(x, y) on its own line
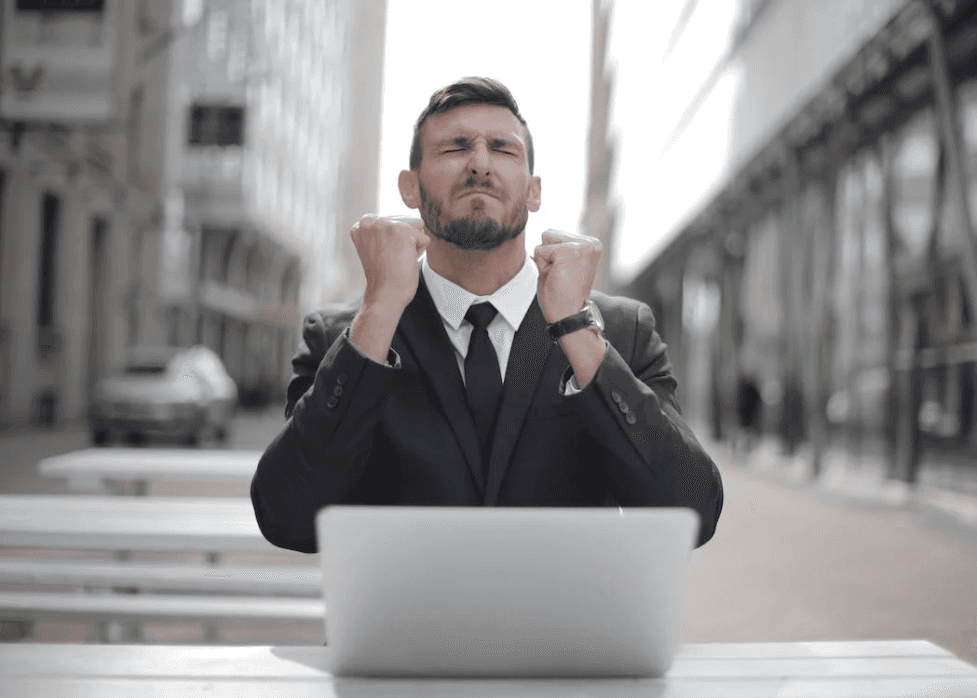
point(789, 560)
point(797, 562)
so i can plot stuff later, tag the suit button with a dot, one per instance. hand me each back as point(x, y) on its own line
point(331, 403)
point(630, 418)
point(623, 406)
point(337, 390)
point(616, 396)
point(342, 378)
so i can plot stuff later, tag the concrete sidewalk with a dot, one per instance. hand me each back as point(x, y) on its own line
point(864, 477)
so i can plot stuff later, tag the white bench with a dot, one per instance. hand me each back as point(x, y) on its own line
point(155, 591)
point(129, 470)
point(141, 608)
point(161, 524)
point(254, 580)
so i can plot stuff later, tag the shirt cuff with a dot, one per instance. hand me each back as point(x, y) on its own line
point(571, 388)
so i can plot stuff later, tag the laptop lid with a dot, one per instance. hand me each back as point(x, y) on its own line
point(436, 591)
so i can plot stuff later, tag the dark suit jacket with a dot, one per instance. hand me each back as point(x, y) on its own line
point(364, 433)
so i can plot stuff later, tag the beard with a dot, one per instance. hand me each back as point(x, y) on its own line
point(469, 233)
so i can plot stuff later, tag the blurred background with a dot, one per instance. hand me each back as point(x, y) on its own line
point(791, 185)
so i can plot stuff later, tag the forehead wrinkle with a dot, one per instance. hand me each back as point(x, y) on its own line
point(493, 134)
point(493, 142)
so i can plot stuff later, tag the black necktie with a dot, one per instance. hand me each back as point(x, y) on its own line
point(483, 379)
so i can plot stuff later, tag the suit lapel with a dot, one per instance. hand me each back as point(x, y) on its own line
point(422, 330)
point(532, 357)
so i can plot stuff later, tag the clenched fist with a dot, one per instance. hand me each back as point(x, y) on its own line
point(567, 267)
point(388, 248)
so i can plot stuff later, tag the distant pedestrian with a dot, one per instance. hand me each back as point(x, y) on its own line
point(792, 416)
point(748, 407)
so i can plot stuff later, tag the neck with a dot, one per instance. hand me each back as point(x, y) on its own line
point(479, 272)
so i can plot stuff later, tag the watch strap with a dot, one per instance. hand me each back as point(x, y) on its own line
point(572, 323)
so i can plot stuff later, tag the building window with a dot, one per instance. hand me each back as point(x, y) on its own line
point(173, 319)
point(213, 125)
point(50, 213)
point(290, 284)
point(133, 130)
point(252, 277)
point(3, 211)
point(132, 315)
point(61, 5)
point(224, 275)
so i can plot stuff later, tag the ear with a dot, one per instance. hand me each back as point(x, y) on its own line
point(410, 188)
point(535, 192)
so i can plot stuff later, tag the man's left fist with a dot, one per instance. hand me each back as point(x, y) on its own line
point(567, 267)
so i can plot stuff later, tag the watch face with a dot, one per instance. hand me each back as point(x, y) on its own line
point(595, 313)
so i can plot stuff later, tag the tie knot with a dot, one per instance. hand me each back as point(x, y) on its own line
point(480, 314)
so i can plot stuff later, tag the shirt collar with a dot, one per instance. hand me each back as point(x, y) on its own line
point(511, 300)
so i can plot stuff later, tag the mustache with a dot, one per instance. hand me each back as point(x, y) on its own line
point(472, 182)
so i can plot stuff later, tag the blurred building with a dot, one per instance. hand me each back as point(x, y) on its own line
point(597, 219)
point(274, 151)
point(834, 260)
point(175, 172)
point(70, 223)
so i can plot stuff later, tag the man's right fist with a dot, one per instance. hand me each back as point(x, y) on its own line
point(388, 248)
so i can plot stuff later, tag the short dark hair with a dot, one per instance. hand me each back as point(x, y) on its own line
point(471, 90)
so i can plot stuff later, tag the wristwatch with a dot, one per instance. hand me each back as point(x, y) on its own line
point(588, 318)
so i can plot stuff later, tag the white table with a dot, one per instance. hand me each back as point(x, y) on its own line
point(162, 524)
point(756, 670)
point(98, 469)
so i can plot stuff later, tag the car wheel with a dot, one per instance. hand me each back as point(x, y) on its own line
point(100, 437)
point(193, 439)
point(221, 433)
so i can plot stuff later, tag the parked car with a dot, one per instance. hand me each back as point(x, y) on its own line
point(166, 393)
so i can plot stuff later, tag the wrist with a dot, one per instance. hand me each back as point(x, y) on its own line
point(381, 311)
point(383, 304)
point(585, 351)
point(589, 318)
point(373, 328)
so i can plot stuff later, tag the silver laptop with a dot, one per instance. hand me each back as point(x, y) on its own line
point(434, 591)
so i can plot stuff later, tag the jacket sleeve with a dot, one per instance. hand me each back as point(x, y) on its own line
point(651, 457)
point(319, 457)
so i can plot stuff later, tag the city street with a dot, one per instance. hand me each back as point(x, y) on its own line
point(787, 562)
point(793, 563)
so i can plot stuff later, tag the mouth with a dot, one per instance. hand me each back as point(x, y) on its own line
point(476, 192)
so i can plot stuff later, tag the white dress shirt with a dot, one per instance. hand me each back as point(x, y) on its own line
point(512, 301)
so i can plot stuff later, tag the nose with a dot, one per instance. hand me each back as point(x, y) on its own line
point(480, 160)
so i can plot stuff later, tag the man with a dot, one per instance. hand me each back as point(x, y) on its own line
point(421, 393)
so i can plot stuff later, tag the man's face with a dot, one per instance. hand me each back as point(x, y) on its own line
point(473, 187)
